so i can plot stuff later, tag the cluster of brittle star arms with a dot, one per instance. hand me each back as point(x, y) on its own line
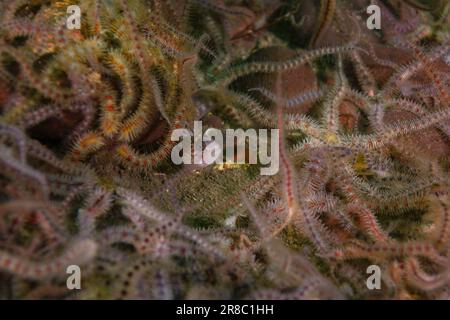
point(86, 178)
